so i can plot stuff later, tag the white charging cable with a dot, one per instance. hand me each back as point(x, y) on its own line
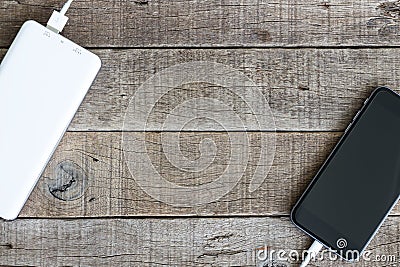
point(311, 253)
point(58, 20)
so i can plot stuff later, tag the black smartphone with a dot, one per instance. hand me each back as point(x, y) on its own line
point(359, 183)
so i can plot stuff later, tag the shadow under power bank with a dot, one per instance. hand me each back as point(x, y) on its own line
point(44, 77)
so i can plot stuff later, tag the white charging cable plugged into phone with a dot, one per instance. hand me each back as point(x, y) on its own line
point(311, 253)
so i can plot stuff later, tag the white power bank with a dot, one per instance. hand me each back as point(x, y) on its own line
point(43, 79)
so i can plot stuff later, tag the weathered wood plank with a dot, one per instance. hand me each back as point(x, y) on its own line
point(167, 242)
point(308, 89)
point(214, 23)
point(88, 176)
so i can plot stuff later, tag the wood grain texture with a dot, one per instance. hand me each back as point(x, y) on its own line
point(214, 23)
point(168, 242)
point(88, 176)
point(307, 89)
point(317, 62)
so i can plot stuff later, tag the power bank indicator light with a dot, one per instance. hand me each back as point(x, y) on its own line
point(77, 51)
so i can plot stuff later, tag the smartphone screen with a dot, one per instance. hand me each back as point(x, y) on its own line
point(360, 181)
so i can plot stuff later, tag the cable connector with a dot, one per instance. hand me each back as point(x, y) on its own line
point(58, 20)
point(311, 253)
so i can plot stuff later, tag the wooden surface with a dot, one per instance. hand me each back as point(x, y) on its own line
point(314, 61)
point(164, 242)
point(183, 23)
